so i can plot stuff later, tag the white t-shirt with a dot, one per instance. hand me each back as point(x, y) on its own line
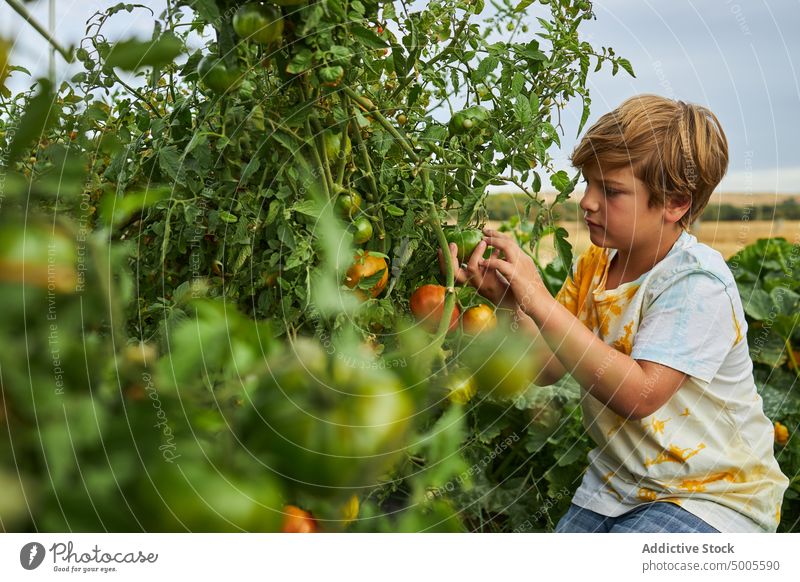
point(709, 449)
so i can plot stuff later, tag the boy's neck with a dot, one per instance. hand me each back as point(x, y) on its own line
point(630, 264)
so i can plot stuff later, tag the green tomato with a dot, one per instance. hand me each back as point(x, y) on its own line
point(362, 230)
point(333, 145)
point(348, 204)
point(38, 255)
point(469, 121)
point(327, 422)
point(215, 75)
point(465, 239)
point(261, 23)
point(460, 387)
point(503, 367)
point(195, 495)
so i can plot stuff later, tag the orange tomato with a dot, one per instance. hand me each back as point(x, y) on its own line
point(781, 434)
point(427, 305)
point(366, 265)
point(297, 520)
point(477, 319)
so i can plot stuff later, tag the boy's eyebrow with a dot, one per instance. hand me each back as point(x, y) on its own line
point(608, 182)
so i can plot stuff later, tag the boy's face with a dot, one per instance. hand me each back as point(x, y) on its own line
point(616, 211)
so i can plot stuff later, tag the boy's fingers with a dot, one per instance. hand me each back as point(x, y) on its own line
point(507, 245)
point(476, 256)
point(504, 267)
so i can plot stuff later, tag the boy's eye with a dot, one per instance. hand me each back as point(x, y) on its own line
point(610, 192)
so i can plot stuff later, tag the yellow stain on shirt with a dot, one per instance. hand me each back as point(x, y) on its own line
point(625, 343)
point(699, 485)
point(646, 494)
point(658, 425)
point(674, 455)
point(589, 265)
point(618, 425)
point(685, 412)
point(778, 513)
point(607, 480)
point(736, 325)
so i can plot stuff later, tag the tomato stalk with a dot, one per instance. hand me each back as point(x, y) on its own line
point(401, 139)
point(362, 150)
point(345, 136)
point(315, 150)
point(319, 137)
point(20, 9)
point(450, 296)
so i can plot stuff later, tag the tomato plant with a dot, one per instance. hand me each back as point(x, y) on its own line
point(203, 214)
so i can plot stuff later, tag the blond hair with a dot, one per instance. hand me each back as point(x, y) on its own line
point(677, 149)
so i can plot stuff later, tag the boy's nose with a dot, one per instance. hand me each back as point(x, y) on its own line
point(589, 203)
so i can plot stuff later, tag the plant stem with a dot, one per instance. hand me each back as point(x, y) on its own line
point(319, 138)
point(20, 9)
point(137, 94)
point(318, 159)
point(450, 295)
point(402, 140)
point(362, 149)
point(343, 142)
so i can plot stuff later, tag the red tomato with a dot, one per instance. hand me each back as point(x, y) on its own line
point(427, 305)
point(297, 520)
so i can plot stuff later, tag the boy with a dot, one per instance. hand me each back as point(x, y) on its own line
point(650, 324)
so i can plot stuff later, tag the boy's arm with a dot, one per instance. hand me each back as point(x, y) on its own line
point(553, 370)
point(632, 388)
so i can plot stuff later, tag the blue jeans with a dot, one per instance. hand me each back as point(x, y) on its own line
point(656, 517)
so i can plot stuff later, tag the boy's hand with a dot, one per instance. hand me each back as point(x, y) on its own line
point(487, 281)
point(516, 266)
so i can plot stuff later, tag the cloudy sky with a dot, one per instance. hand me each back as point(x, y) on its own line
point(740, 58)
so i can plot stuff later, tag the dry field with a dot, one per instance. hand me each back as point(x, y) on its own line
point(727, 237)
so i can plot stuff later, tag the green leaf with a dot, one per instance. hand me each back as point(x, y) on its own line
point(206, 9)
point(169, 160)
point(393, 210)
point(758, 305)
point(130, 55)
point(367, 37)
point(308, 207)
point(785, 300)
point(585, 115)
point(368, 283)
point(560, 181)
point(626, 64)
point(522, 110)
point(40, 113)
point(537, 182)
point(226, 216)
point(301, 62)
point(523, 5)
point(115, 211)
point(563, 248)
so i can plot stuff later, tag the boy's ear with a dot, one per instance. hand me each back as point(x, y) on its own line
point(675, 209)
